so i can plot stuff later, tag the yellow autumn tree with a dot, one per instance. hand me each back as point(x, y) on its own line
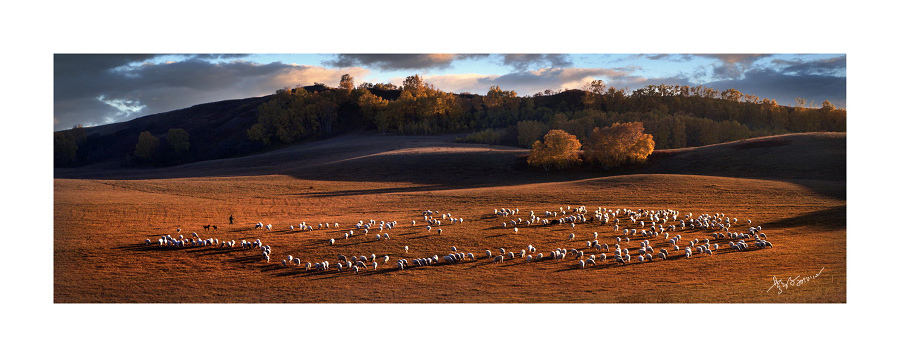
point(146, 148)
point(618, 144)
point(559, 149)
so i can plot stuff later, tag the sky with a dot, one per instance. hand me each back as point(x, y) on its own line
point(103, 88)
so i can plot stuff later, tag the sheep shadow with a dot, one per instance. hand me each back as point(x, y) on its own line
point(215, 251)
point(247, 259)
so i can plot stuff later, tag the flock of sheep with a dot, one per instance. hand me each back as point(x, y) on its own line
point(624, 236)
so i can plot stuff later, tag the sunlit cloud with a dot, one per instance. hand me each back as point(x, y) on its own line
point(457, 83)
point(124, 108)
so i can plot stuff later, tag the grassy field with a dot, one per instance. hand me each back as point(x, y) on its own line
point(103, 216)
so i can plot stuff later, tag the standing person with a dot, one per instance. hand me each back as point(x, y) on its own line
point(231, 219)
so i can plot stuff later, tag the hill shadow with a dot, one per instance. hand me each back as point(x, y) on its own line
point(435, 163)
point(827, 219)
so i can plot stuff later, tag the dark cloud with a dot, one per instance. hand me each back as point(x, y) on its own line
point(88, 91)
point(784, 88)
point(524, 62)
point(92, 64)
point(828, 66)
point(667, 57)
point(391, 61)
point(733, 65)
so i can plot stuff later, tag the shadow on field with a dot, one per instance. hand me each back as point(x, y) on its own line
point(374, 191)
point(827, 219)
point(140, 247)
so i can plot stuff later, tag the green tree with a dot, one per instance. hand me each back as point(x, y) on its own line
point(529, 131)
point(179, 141)
point(147, 147)
point(619, 144)
point(65, 145)
point(559, 149)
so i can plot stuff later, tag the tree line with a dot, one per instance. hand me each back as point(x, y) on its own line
point(676, 116)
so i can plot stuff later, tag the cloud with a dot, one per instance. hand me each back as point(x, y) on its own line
point(88, 91)
point(397, 61)
point(529, 82)
point(667, 57)
point(523, 62)
point(733, 65)
point(784, 87)
point(828, 66)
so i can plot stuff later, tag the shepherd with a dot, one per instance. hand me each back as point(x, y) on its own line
point(231, 219)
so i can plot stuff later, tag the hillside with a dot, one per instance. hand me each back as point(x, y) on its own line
point(439, 160)
point(216, 130)
point(812, 156)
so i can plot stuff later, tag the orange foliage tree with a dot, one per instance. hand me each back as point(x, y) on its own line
point(619, 144)
point(559, 149)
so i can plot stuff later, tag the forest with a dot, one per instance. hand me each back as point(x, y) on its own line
point(676, 116)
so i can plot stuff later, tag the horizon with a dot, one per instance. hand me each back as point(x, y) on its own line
point(98, 89)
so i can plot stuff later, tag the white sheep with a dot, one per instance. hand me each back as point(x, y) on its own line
point(406, 249)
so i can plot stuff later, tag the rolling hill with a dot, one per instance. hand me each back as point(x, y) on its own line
point(439, 160)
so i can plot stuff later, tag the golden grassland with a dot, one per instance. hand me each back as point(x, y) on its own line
point(100, 225)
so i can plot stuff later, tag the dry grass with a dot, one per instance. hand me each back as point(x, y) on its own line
point(100, 226)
